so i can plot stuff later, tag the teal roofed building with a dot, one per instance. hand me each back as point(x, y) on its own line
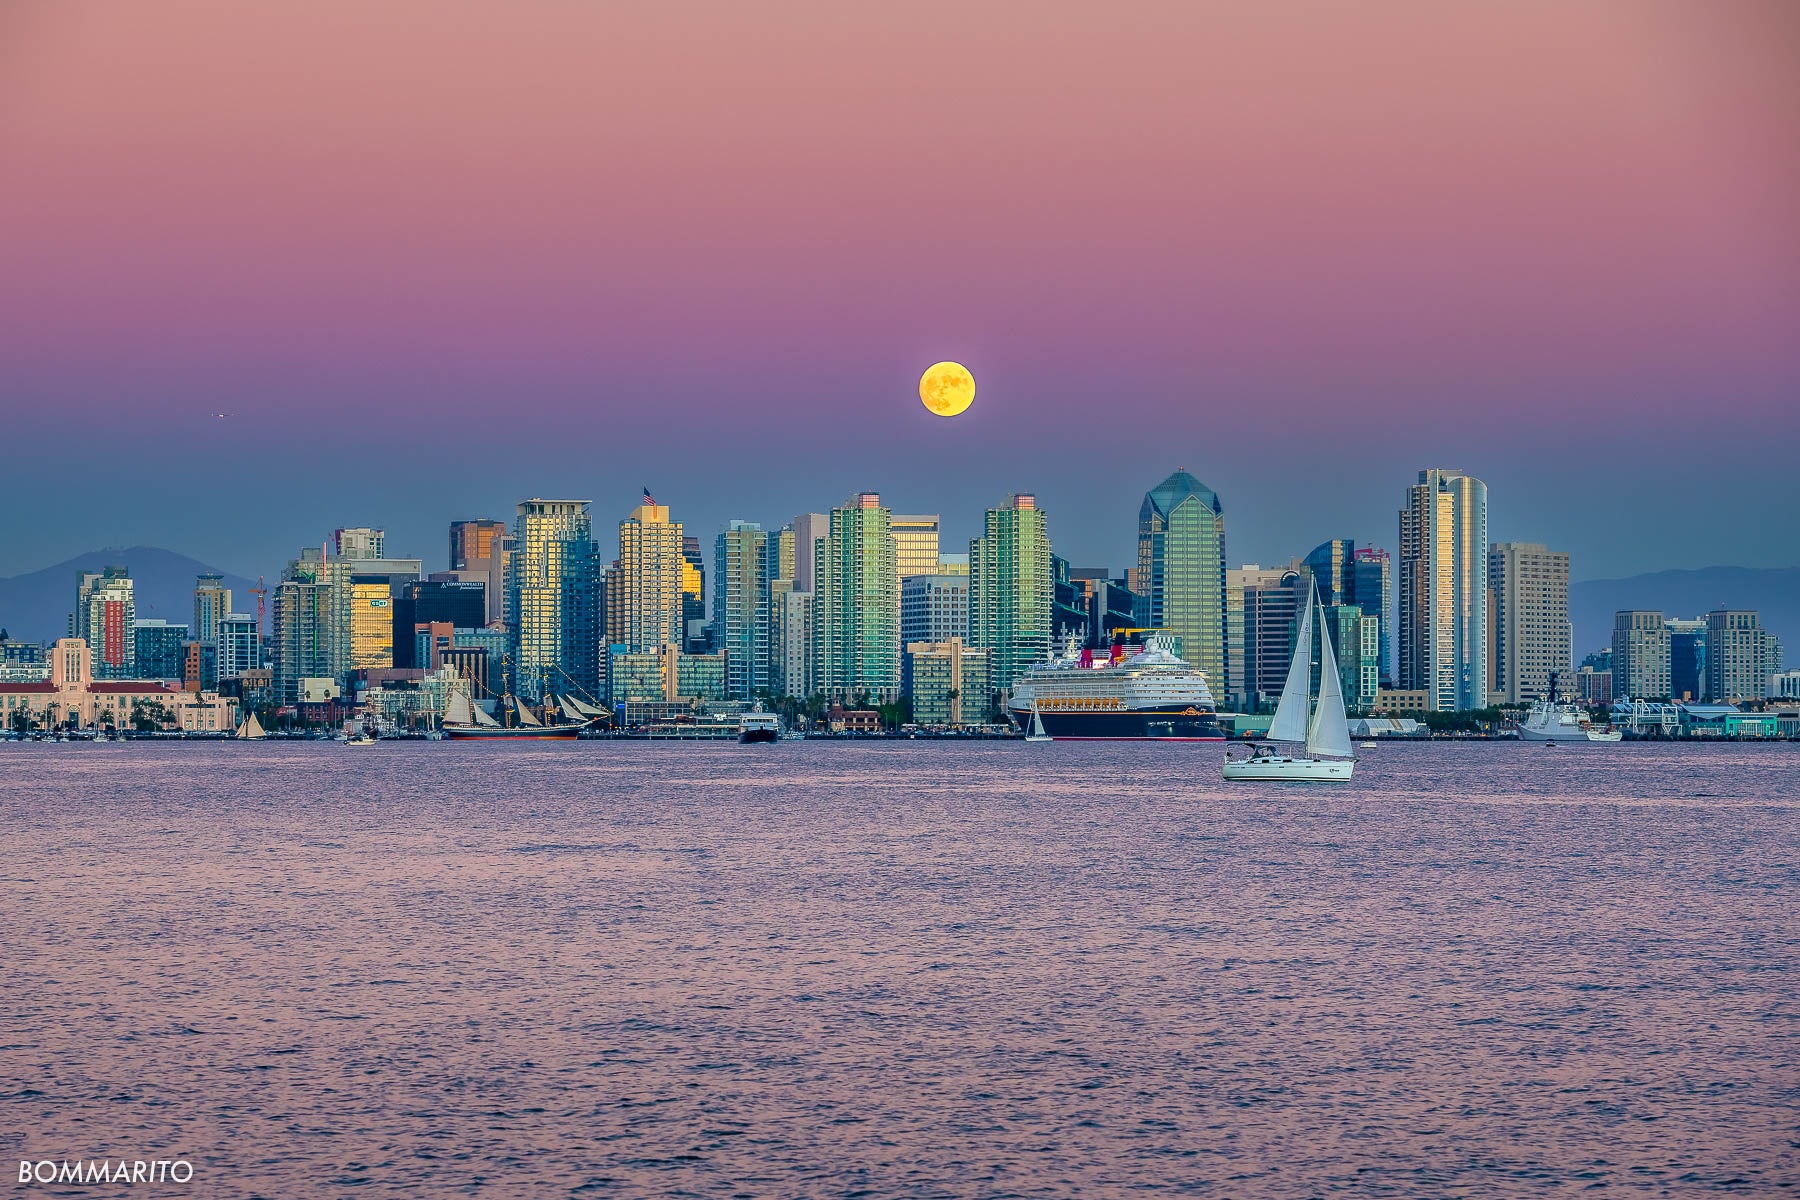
point(1181, 566)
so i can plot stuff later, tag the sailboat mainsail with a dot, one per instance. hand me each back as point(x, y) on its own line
point(526, 716)
point(458, 711)
point(1330, 732)
point(584, 709)
point(1289, 724)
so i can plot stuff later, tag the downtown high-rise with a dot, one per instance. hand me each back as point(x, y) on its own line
point(106, 617)
point(479, 551)
point(856, 603)
point(553, 598)
point(1010, 589)
point(1443, 587)
point(644, 605)
point(741, 607)
point(1181, 570)
point(1529, 586)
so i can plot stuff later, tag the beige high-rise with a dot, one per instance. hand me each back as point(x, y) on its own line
point(1529, 584)
point(643, 595)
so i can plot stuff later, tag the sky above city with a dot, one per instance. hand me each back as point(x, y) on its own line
point(430, 258)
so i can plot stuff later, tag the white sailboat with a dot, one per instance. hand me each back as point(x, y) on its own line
point(1328, 756)
point(1037, 733)
point(251, 728)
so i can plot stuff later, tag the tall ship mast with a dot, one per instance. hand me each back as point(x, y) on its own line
point(561, 717)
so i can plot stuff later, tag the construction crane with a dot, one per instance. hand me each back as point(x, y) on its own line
point(259, 591)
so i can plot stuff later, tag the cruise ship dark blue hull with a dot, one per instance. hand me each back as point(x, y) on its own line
point(1179, 725)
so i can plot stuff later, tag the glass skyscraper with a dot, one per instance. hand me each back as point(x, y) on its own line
point(740, 607)
point(553, 598)
point(856, 621)
point(1443, 591)
point(1181, 570)
point(1011, 589)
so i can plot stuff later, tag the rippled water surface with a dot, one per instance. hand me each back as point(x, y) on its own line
point(903, 969)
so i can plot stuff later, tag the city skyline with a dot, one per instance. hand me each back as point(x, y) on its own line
point(435, 266)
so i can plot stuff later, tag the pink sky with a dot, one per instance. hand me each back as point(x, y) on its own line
point(1422, 232)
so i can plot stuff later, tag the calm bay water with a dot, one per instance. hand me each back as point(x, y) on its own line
point(902, 969)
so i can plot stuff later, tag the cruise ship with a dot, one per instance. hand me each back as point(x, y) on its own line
point(1131, 693)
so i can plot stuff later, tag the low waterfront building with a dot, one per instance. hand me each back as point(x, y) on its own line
point(1725, 721)
point(665, 673)
point(71, 698)
point(1645, 718)
point(1389, 701)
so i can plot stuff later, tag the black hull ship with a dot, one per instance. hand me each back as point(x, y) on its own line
point(1148, 695)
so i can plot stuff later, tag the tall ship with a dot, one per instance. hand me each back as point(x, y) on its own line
point(559, 718)
point(1133, 692)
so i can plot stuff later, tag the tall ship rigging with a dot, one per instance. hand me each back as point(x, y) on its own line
point(559, 718)
point(1145, 693)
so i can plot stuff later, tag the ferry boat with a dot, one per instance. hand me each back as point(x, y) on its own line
point(1136, 693)
point(758, 726)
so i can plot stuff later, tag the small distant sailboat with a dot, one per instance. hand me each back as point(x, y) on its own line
point(1328, 756)
point(1037, 733)
point(250, 728)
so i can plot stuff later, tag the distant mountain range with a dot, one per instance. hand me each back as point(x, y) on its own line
point(36, 607)
point(1772, 591)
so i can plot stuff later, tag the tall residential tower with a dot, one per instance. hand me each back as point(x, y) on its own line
point(1443, 627)
point(1181, 570)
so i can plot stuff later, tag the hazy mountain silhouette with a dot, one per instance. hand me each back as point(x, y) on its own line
point(1772, 591)
point(36, 607)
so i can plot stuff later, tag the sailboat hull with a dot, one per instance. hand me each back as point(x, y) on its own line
point(1281, 769)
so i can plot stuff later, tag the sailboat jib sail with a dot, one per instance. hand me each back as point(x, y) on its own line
point(1328, 757)
point(1330, 731)
point(526, 716)
point(1289, 724)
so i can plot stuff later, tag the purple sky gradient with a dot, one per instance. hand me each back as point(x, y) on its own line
point(434, 258)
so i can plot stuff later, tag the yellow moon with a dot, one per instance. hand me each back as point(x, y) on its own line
point(947, 388)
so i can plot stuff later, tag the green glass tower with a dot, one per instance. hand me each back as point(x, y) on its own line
point(1011, 589)
point(1181, 563)
point(857, 603)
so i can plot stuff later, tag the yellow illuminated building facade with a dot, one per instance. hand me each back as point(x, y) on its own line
point(371, 626)
point(915, 544)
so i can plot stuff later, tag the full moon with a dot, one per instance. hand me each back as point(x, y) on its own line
point(947, 388)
